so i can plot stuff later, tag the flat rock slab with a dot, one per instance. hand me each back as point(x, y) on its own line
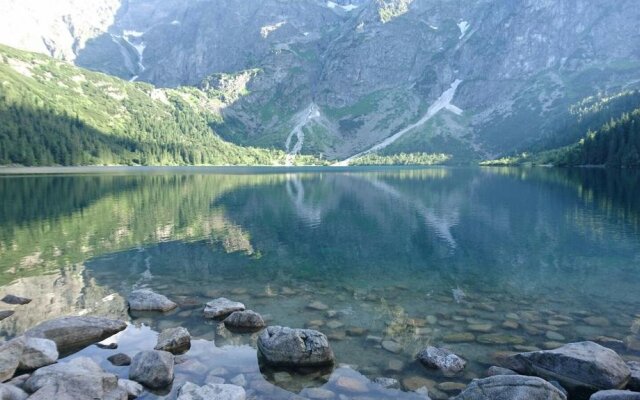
point(442, 359)
point(582, 368)
point(511, 387)
point(174, 340)
point(280, 346)
point(212, 391)
point(74, 333)
point(615, 395)
point(244, 321)
point(148, 300)
point(221, 307)
point(153, 369)
point(16, 300)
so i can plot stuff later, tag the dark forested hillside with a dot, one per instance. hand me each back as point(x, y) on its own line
point(53, 113)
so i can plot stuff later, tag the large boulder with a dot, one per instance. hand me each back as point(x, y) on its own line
point(221, 307)
point(74, 333)
point(190, 391)
point(148, 300)
point(10, 353)
point(79, 379)
point(174, 340)
point(37, 352)
point(154, 369)
point(511, 387)
point(10, 392)
point(582, 368)
point(246, 321)
point(615, 395)
point(442, 359)
point(280, 346)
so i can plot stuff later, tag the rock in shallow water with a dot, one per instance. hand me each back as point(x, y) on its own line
point(190, 391)
point(10, 392)
point(78, 379)
point(442, 359)
point(37, 352)
point(15, 300)
point(10, 353)
point(74, 333)
point(281, 346)
point(634, 380)
point(221, 307)
point(615, 395)
point(133, 389)
point(174, 340)
point(153, 369)
point(582, 368)
point(148, 300)
point(248, 320)
point(4, 314)
point(119, 359)
point(511, 387)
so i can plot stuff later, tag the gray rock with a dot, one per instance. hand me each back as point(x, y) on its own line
point(174, 340)
point(391, 346)
point(119, 359)
point(78, 379)
point(634, 380)
point(10, 392)
point(74, 333)
point(221, 307)
point(133, 389)
point(10, 353)
point(442, 359)
point(493, 371)
point(16, 300)
point(148, 300)
point(4, 314)
point(212, 391)
point(615, 395)
point(244, 321)
point(19, 380)
point(282, 346)
point(582, 368)
point(153, 369)
point(37, 352)
point(510, 387)
point(387, 383)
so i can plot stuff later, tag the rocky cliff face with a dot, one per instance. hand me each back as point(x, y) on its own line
point(343, 77)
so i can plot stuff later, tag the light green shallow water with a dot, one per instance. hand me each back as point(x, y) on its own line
point(533, 256)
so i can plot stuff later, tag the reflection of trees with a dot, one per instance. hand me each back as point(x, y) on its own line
point(112, 213)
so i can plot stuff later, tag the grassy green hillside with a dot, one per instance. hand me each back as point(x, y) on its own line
point(54, 113)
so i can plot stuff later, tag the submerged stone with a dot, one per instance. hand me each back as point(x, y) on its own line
point(221, 307)
point(510, 387)
point(15, 300)
point(148, 300)
point(442, 359)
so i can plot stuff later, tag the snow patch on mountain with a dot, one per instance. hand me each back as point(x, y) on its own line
point(348, 7)
point(464, 28)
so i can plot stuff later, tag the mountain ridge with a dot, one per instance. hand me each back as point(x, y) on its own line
point(373, 68)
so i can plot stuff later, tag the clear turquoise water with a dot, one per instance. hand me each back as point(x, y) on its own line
point(555, 251)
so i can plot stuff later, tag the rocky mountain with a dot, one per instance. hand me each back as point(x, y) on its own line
point(471, 79)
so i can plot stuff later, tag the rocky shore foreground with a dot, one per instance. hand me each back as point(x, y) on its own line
point(31, 365)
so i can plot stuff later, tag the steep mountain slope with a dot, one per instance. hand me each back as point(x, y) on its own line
point(55, 113)
point(471, 79)
point(602, 131)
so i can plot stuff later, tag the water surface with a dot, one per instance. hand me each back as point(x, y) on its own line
point(478, 260)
